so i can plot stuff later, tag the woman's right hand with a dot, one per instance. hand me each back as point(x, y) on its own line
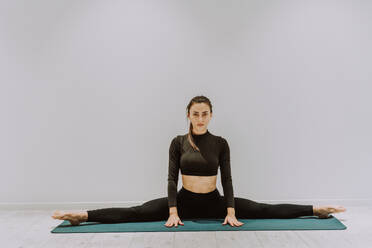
point(173, 219)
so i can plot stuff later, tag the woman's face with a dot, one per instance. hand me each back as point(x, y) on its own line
point(199, 114)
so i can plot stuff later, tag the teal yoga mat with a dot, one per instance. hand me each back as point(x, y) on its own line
point(301, 223)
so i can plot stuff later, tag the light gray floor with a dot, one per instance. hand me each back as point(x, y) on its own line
point(32, 229)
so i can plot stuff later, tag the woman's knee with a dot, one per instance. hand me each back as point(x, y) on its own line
point(156, 209)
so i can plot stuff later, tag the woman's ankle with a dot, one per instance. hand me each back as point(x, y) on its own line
point(84, 216)
point(315, 210)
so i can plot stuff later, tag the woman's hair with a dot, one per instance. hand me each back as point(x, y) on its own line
point(196, 99)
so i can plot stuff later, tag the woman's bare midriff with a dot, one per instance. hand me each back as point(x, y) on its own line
point(199, 184)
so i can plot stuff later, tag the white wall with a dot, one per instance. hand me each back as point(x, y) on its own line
point(92, 92)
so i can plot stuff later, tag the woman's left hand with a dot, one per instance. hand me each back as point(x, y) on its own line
point(231, 219)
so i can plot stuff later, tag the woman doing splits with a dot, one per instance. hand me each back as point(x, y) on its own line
point(198, 154)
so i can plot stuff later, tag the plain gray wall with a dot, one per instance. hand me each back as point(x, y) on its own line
point(92, 92)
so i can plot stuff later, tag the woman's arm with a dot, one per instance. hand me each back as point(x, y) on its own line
point(226, 179)
point(173, 170)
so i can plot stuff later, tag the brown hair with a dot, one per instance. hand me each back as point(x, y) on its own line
point(196, 99)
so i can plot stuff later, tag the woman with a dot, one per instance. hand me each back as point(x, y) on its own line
point(198, 155)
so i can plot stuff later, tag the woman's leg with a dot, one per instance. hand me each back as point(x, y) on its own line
point(153, 210)
point(248, 209)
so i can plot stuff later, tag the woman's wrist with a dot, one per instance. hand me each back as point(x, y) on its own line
point(230, 211)
point(173, 210)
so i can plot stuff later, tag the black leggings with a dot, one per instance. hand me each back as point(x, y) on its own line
point(192, 205)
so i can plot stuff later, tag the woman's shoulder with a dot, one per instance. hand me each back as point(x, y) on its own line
point(178, 138)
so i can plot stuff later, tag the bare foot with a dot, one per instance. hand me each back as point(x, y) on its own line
point(323, 211)
point(74, 218)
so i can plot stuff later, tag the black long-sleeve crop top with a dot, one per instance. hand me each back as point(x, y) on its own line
point(214, 152)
